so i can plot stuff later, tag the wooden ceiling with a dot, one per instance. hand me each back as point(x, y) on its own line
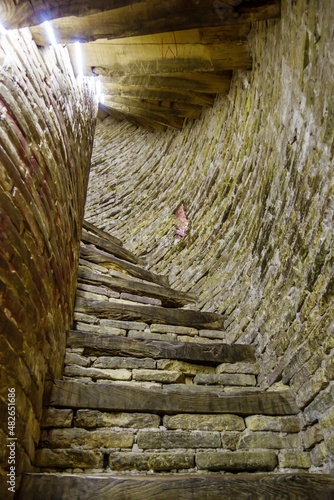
point(159, 61)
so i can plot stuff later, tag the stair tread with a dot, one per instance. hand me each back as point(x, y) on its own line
point(168, 296)
point(213, 354)
point(68, 394)
point(176, 486)
point(151, 314)
point(100, 232)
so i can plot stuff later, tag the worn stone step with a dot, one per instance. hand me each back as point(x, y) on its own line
point(150, 314)
point(102, 234)
point(211, 354)
point(168, 296)
point(101, 257)
point(113, 248)
point(117, 397)
point(265, 486)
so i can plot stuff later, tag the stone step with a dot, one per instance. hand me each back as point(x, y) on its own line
point(205, 354)
point(265, 486)
point(168, 296)
point(118, 397)
point(150, 314)
point(108, 246)
point(102, 234)
point(106, 259)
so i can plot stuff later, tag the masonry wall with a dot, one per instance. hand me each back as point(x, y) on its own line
point(46, 135)
point(255, 176)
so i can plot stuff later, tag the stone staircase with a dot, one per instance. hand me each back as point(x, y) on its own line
point(153, 404)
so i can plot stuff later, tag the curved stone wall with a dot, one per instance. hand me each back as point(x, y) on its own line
point(46, 136)
point(255, 176)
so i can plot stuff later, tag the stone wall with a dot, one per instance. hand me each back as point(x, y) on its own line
point(255, 177)
point(46, 136)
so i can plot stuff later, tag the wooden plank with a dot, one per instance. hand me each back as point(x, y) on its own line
point(152, 16)
point(116, 250)
point(168, 296)
point(175, 122)
point(205, 354)
point(192, 82)
point(264, 486)
point(102, 234)
point(151, 314)
point(100, 257)
point(154, 107)
point(181, 96)
point(68, 394)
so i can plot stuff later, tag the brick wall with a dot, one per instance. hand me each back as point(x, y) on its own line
point(46, 135)
point(255, 175)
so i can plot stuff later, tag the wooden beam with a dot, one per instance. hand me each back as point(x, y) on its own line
point(150, 314)
point(191, 82)
point(176, 486)
point(67, 394)
point(102, 234)
point(205, 354)
point(157, 107)
point(116, 250)
point(139, 18)
point(161, 117)
point(100, 257)
point(168, 296)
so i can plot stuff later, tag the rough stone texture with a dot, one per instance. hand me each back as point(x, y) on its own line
point(55, 417)
point(225, 379)
point(265, 440)
point(255, 178)
point(183, 366)
point(164, 376)
point(237, 461)
point(95, 373)
point(175, 439)
point(47, 128)
point(68, 458)
point(294, 460)
point(312, 436)
point(204, 422)
point(278, 424)
point(129, 363)
point(95, 418)
point(252, 368)
point(81, 438)
point(151, 461)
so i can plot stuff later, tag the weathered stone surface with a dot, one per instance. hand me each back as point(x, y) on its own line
point(251, 368)
point(196, 340)
point(294, 460)
point(55, 417)
point(311, 388)
point(184, 367)
point(164, 376)
point(125, 325)
point(212, 334)
point(87, 327)
point(118, 362)
point(134, 334)
point(225, 379)
point(278, 424)
point(319, 454)
point(82, 438)
point(95, 418)
point(180, 330)
point(68, 458)
point(204, 422)
point(85, 318)
point(237, 461)
point(151, 461)
point(321, 403)
point(72, 358)
point(175, 439)
point(311, 436)
point(265, 440)
point(96, 373)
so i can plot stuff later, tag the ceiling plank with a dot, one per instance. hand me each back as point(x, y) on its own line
point(181, 96)
point(136, 18)
point(193, 82)
point(165, 119)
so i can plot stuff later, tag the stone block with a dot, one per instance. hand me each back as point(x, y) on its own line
point(319, 454)
point(246, 368)
point(72, 358)
point(140, 335)
point(54, 417)
point(321, 403)
point(237, 461)
point(128, 363)
point(163, 376)
point(68, 458)
point(196, 340)
point(236, 379)
point(85, 327)
point(311, 388)
point(213, 334)
point(95, 418)
point(82, 438)
point(184, 367)
point(125, 325)
point(264, 440)
point(178, 439)
point(311, 436)
point(180, 330)
point(96, 373)
point(204, 422)
point(85, 318)
point(294, 460)
point(276, 424)
point(151, 461)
